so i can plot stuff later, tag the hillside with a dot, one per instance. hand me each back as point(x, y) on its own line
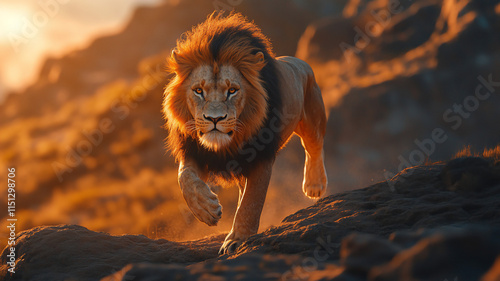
point(434, 222)
point(416, 67)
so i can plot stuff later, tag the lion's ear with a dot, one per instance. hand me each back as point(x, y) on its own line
point(260, 57)
point(173, 62)
point(260, 62)
point(174, 54)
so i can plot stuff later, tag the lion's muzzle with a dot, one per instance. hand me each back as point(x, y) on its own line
point(215, 133)
point(214, 119)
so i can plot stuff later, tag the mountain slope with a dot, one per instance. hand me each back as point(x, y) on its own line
point(428, 223)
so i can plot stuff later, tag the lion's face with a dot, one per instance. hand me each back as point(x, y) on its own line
point(215, 98)
point(222, 103)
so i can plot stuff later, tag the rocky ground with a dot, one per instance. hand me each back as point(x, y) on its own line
point(439, 221)
point(89, 132)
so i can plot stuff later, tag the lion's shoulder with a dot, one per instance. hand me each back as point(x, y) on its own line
point(293, 65)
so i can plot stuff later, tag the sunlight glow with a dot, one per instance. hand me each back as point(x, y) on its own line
point(11, 21)
point(33, 30)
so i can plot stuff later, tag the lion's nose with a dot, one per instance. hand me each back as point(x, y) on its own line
point(214, 119)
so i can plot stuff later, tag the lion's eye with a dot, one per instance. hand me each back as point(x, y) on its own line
point(231, 91)
point(198, 91)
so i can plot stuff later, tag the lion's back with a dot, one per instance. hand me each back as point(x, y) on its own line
point(296, 66)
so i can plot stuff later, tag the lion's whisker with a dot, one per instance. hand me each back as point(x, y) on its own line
point(190, 126)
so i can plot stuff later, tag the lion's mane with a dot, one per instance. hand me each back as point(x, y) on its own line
point(225, 40)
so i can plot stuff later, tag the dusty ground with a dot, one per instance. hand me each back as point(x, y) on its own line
point(435, 222)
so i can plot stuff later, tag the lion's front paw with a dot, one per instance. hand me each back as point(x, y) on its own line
point(314, 190)
point(229, 246)
point(203, 203)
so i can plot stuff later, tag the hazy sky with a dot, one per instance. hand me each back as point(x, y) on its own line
point(31, 30)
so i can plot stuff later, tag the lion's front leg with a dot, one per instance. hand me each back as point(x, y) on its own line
point(204, 204)
point(247, 217)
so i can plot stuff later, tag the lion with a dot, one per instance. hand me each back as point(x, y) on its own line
point(229, 108)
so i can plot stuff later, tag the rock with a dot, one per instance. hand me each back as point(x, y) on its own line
point(470, 174)
point(450, 253)
point(71, 251)
point(246, 267)
point(361, 252)
point(418, 230)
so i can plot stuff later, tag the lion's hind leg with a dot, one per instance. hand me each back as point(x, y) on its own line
point(311, 130)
